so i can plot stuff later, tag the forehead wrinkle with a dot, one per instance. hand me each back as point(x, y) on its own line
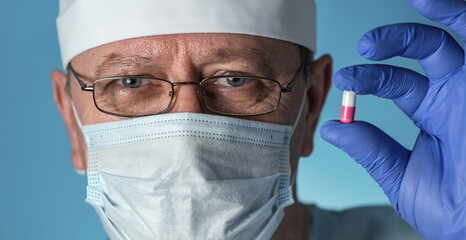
point(253, 56)
point(116, 60)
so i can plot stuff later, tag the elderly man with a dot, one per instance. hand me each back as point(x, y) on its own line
point(190, 125)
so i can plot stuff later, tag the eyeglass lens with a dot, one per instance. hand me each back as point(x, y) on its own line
point(224, 95)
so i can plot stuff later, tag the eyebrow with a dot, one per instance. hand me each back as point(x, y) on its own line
point(114, 59)
point(252, 56)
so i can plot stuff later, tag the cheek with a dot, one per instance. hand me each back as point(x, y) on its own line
point(277, 117)
point(285, 114)
point(290, 105)
point(93, 116)
point(87, 111)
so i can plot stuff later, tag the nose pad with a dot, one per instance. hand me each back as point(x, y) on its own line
point(199, 96)
point(175, 95)
point(186, 103)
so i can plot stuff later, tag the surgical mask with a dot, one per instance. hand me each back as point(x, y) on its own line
point(189, 176)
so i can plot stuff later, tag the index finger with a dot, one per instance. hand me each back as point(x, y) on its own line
point(405, 87)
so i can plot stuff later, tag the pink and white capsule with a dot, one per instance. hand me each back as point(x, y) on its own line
point(347, 107)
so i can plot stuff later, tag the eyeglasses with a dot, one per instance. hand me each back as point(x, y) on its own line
point(230, 95)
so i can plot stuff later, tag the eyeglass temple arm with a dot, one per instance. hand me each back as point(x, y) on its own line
point(83, 86)
point(289, 86)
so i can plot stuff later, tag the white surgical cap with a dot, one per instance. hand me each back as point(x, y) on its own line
point(85, 24)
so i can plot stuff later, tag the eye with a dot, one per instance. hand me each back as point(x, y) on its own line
point(234, 81)
point(131, 82)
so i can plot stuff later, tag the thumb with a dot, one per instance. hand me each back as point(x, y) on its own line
point(383, 158)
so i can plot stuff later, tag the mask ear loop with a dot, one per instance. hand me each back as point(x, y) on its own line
point(80, 172)
point(75, 113)
point(293, 178)
point(300, 109)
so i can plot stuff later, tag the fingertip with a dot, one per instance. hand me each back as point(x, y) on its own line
point(358, 78)
point(334, 130)
point(422, 6)
point(366, 47)
point(326, 130)
point(379, 43)
point(346, 136)
point(343, 79)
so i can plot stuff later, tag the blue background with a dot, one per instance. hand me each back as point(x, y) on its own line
point(41, 197)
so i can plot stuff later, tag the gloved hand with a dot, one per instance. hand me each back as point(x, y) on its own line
point(427, 185)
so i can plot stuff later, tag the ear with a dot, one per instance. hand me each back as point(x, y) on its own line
point(320, 78)
point(63, 102)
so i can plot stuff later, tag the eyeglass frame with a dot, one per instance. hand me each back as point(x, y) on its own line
point(287, 89)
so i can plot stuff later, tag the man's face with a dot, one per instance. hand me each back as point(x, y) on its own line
point(193, 57)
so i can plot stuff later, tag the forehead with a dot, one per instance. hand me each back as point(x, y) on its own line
point(197, 47)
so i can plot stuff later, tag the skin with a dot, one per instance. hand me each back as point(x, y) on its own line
point(192, 57)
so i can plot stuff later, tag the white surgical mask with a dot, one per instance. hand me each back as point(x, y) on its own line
point(189, 176)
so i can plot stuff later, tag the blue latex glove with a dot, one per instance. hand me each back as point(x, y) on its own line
point(427, 185)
